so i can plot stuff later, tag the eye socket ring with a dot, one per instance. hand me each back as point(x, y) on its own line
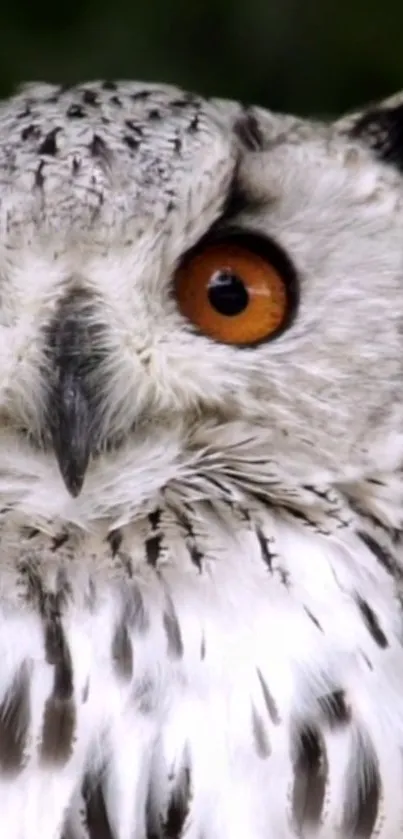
point(237, 288)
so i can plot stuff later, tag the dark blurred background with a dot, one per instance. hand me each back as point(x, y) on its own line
point(307, 56)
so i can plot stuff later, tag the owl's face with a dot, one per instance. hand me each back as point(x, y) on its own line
point(193, 295)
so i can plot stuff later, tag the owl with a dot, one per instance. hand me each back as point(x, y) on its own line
point(201, 468)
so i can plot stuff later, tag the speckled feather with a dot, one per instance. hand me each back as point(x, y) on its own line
point(206, 640)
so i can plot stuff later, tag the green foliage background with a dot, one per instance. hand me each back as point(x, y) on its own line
point(307, 56)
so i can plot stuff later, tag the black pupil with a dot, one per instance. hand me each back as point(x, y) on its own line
point(227, 293)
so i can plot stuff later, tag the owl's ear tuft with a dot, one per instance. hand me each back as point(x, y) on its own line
point(380, 127)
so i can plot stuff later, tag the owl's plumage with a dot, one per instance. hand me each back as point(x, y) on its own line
point(201, 559)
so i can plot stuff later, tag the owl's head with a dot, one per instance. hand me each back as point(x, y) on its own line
point(194, 296)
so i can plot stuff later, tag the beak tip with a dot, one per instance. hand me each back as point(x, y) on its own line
point(75, 489)
point(73, 483)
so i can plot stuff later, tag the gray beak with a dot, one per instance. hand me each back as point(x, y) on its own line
point(71, 429)
point(72, 360)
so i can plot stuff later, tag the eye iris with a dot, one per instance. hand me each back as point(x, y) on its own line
point(227, 293)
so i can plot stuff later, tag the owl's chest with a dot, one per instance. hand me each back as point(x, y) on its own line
point(249, 677)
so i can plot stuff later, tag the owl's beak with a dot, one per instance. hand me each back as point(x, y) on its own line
point(71, 412)
point(71, 429)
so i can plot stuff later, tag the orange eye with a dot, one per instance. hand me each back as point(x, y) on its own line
point(233, 293)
